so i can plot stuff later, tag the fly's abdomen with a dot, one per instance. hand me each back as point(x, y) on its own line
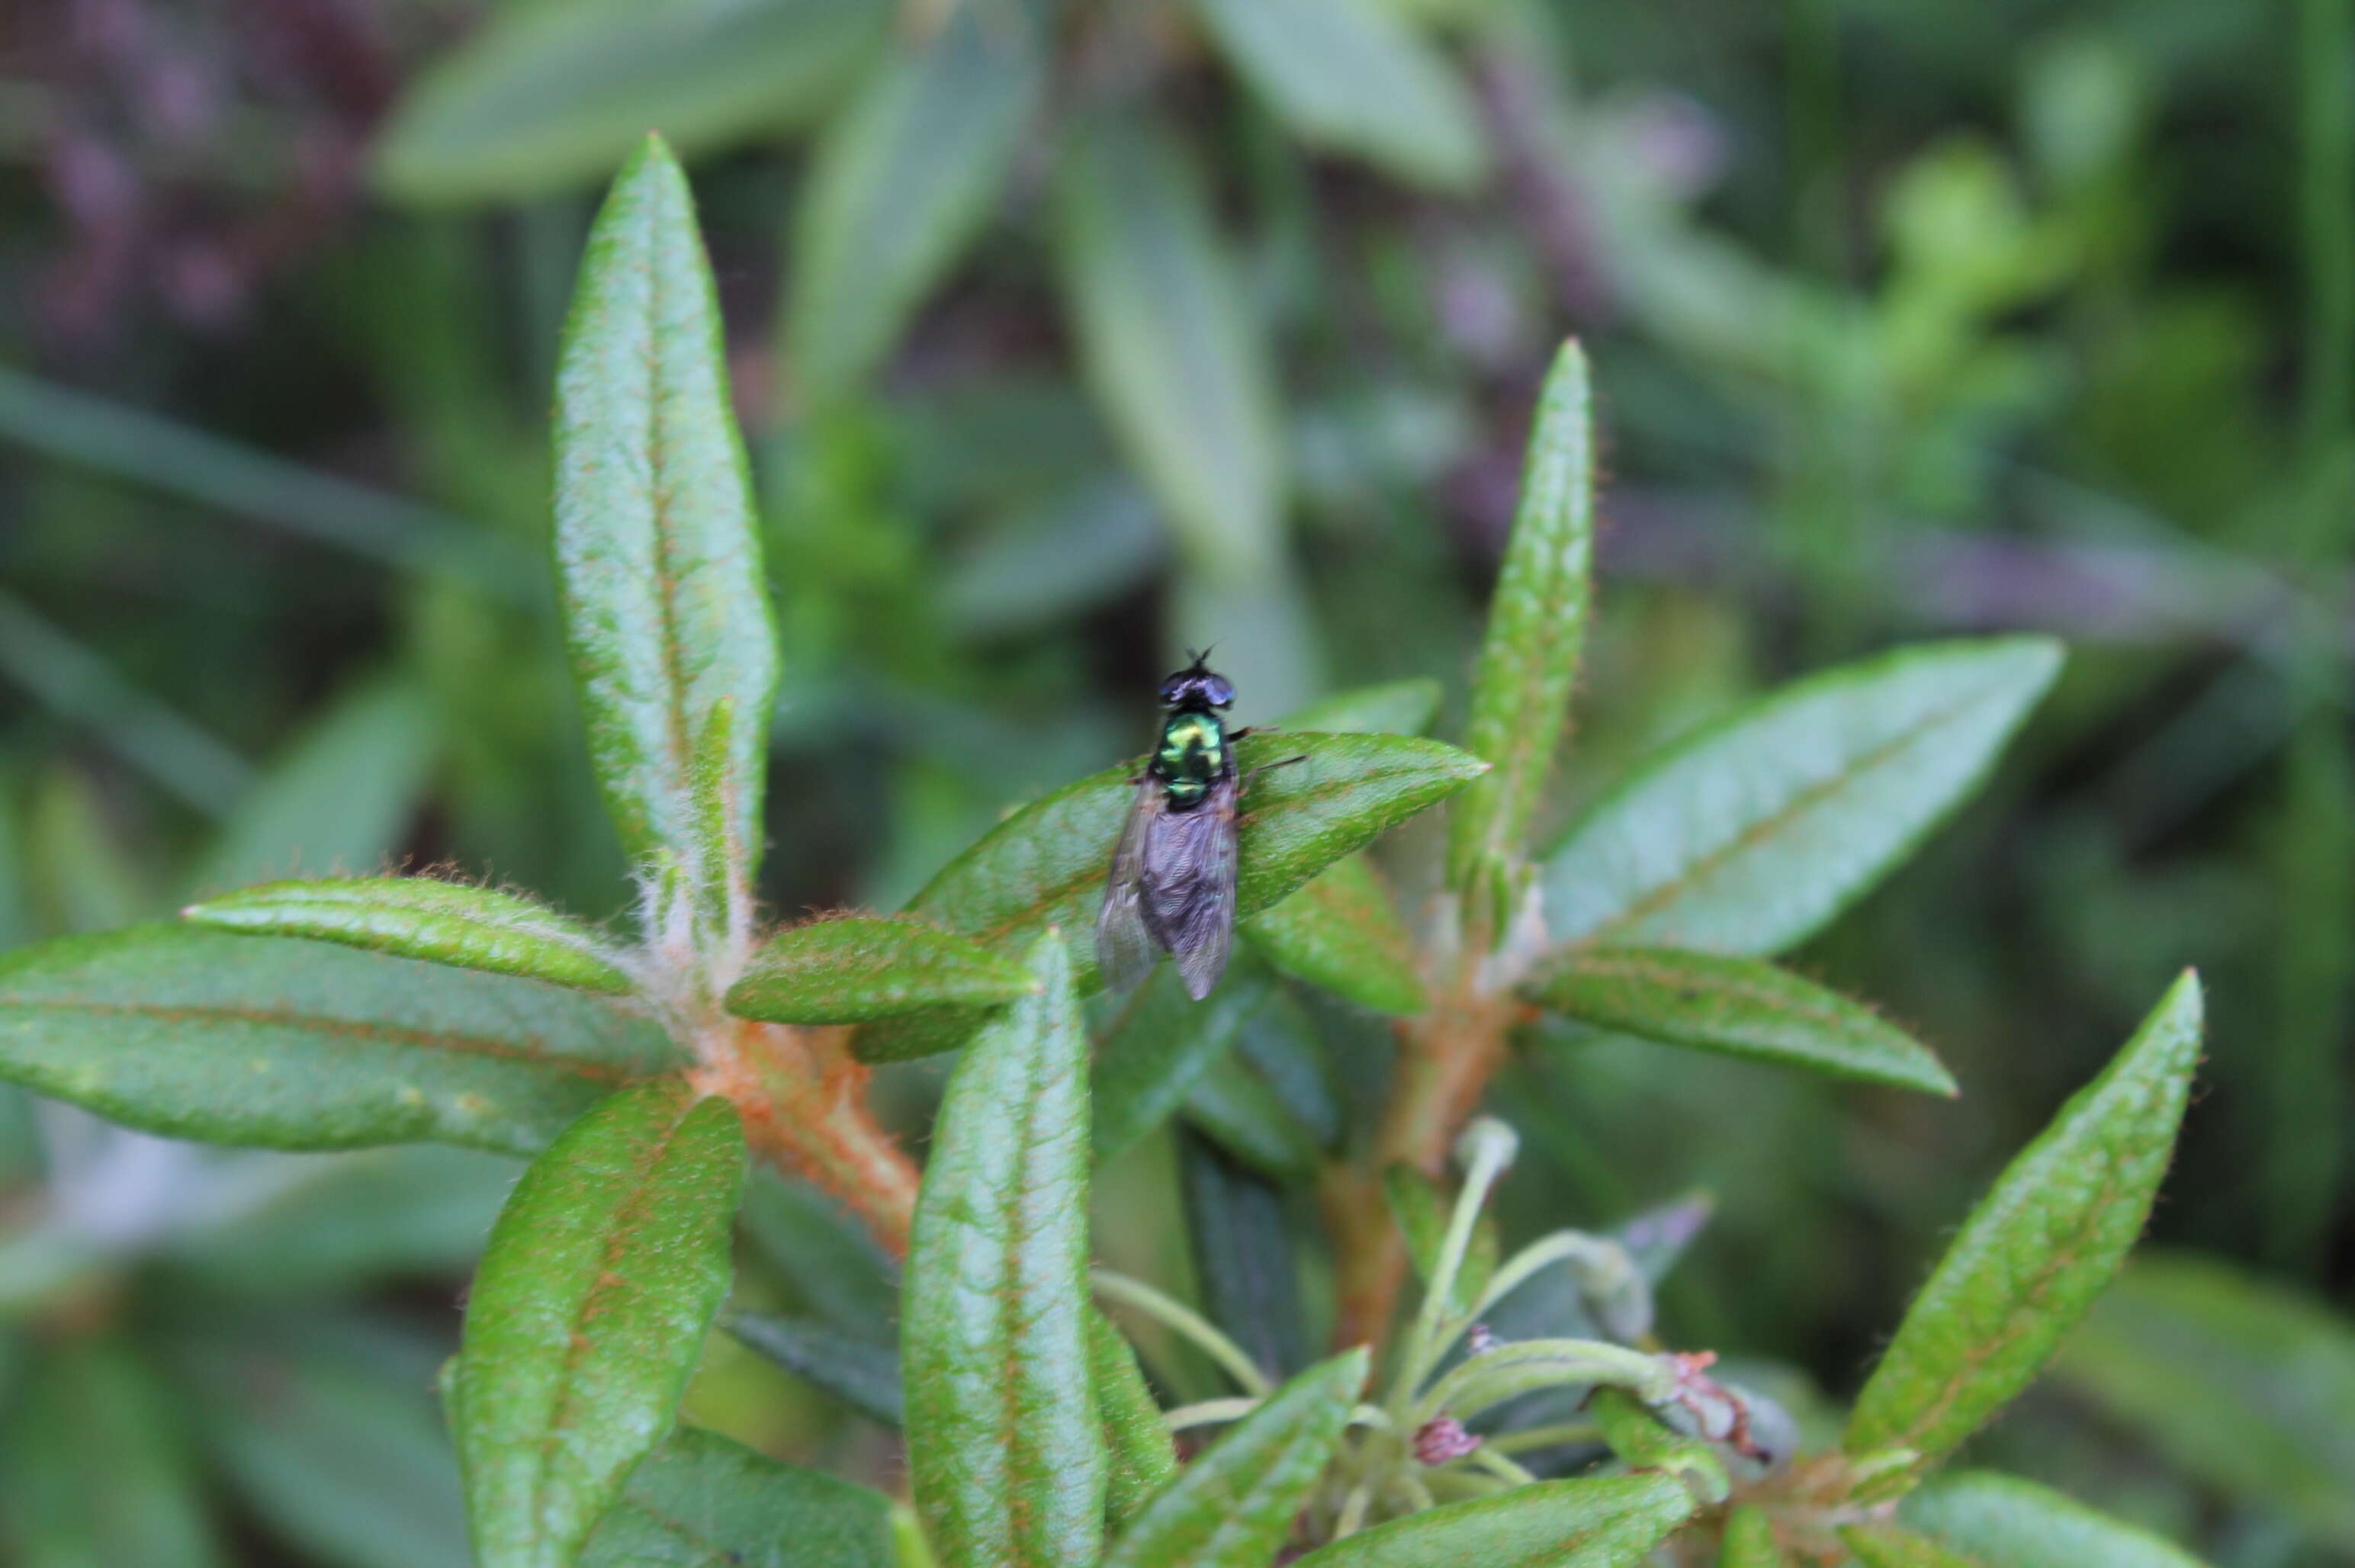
point(1190, 759)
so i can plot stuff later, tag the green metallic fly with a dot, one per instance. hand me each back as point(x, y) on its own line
point(1172, 887)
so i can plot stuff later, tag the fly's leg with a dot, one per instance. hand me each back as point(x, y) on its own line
point(1243, 784)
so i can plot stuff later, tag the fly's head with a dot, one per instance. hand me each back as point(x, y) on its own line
point(1196, 689)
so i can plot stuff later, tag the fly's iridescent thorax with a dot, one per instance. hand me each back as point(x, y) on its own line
point(1191, 757)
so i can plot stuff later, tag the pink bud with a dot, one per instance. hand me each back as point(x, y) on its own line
point(1442, 1438)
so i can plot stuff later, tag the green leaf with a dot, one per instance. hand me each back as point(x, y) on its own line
point(1003, 1443)
point(1887, 1546)
point(1045, 864)
point(1393, 707)
point(829, 1260)
point(1232, 1507)
point(340, 1451)
point(1537, 631)
point(2247, 1384)
point(419, 917)
point(1286, 1048)
point(1421, 1212)
point(1342, 932)
point(1352, 78)
point(288, 1044)
point(1168, 343)
point(666, 601)
point(2001, 1518)
point(854, 970)
point(1141, 1458)
point(414, 1212)
point(342, 796)
point(1163, 1042)
point(1643, 1441)
point(2038, 1248)
point(899, 186)
point(861, 1373)
point(1738, 1006)
point(1748, 836)
point(1749, 1540)
point(1238, 1110)
point(701, 1501)
point(588, 1316)
point(92, 1470)
point(547, 96)
point(1613, 1522)
point(1244, 1257)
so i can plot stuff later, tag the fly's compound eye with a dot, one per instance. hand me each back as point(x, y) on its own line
point(1172, 690)
point(1221, 693)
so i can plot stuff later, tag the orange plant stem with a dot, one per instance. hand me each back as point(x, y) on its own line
point(1445, 1058)
point(803, 1097)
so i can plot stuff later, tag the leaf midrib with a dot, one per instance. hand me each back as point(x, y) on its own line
point(1696, 871)
point(1070, 887)
point(658, 495)
point(628, 1219)
point(1619, 965)
point(1021, 1457)
point(449, 1042)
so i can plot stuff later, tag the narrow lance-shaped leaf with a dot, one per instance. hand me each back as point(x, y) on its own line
point(1356, 79)
point(418, 917)
point(1739, 1007)
point(666, 611)
point(1537, 630)
point(1749, 835)
point(1008, 1458)
point(1045, 864)
point(588, 1317)
point(2002, 1518)
point(1167, 341)
point(1140, 1458)
point(1233, 1505)
point(2038, 1248)
point(247, 1039)
point(1612, 1522)
point(2245, 1383)
point(1160, 1048)
point(701, 1501)
point(1343, 931)
point(546, 97)
point(1240, 1111)
point(852, 970)
point(901, 184)
point(831, 1260)
point(1244, 1257)
point(861, 1373)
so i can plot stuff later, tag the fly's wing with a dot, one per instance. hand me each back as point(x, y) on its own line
point(1189, 886)
point(1125, 948)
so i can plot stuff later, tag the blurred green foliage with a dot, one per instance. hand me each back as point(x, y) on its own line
point(1068, 335)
